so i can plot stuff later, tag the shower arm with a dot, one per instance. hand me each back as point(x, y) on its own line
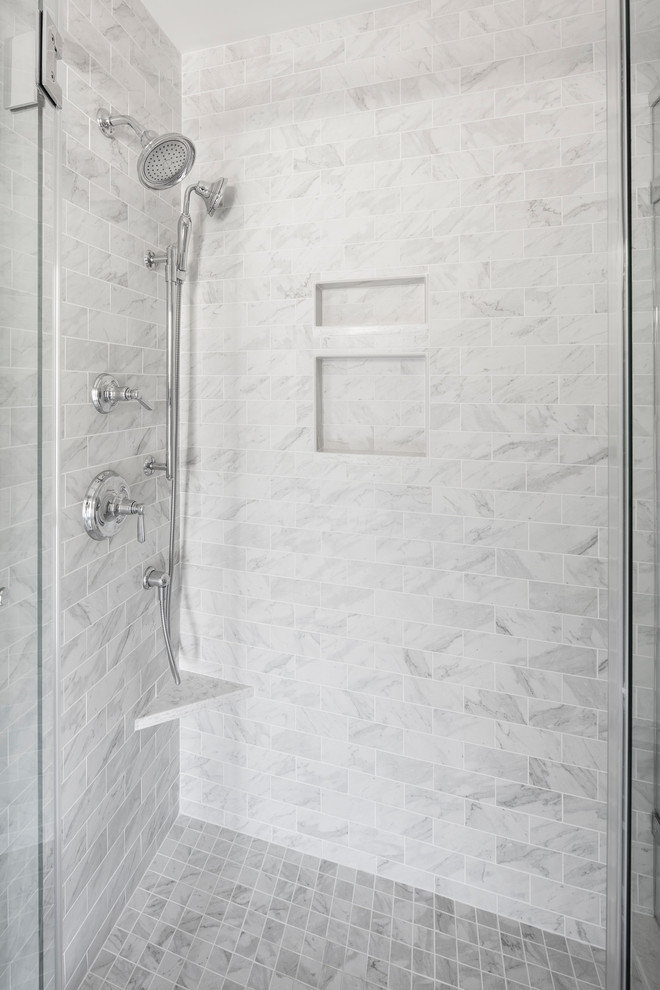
point(107, 122)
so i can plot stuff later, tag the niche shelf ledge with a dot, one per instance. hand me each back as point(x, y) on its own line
point(196, 693)
point(372, 305)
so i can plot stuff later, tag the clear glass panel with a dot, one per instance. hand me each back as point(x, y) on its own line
point(644, 899)
point(26, 531)
point(655, 296)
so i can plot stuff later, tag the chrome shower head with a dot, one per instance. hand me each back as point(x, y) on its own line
point(165, 159)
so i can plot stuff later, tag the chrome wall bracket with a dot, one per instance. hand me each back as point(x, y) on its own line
point(151, 259)
point(107, 504)
point(107, 392)
point(151, 465)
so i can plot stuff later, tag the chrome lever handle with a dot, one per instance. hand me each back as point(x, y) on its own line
point(107, 392)
point(134, 393)
point(141, 526)
point(127, 507)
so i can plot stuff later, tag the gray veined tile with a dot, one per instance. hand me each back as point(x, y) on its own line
point(388, 951)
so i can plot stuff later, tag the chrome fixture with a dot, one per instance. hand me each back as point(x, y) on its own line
point(155, 579)
point(176, 264)
point(151, 465)
point(4, 597)
point(107, 504)
point(212, 195)
point(175, 261)
point(107, 392)
point(50, 55)
point(161, 581)
point(165, 159)
point(151, 259)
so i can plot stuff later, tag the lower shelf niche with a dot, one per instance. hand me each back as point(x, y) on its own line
point(371, 404)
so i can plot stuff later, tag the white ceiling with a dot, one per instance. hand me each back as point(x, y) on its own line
point(196, 24)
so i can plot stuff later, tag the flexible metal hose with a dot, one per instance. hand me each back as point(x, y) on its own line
point(162, 598)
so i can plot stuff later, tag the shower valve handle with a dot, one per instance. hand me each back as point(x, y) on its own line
point(107, 392)
point(127, 507)
point(134, 393)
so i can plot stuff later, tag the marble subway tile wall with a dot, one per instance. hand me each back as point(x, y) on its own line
point(425, 635)
point(372, 404)
point(120, 788)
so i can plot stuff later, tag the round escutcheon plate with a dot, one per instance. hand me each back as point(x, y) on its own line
point(107, 487)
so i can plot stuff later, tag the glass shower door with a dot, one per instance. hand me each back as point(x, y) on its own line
point(655, 301)
point(26, 529)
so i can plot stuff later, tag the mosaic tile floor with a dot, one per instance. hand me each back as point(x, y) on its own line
point(218, 910)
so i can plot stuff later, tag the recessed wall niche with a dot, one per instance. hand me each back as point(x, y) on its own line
point(371, 303)
point(371, 404)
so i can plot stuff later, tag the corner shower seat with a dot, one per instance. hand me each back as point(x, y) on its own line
point(196, 693)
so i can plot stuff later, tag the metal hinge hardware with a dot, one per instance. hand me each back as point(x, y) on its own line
point(32, 58)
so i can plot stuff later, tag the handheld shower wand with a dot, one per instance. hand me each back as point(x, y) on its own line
point(213, 196)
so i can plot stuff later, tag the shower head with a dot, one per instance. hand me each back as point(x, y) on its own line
point(165, 159)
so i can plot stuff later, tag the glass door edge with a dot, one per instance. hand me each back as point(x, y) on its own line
point(618, 824)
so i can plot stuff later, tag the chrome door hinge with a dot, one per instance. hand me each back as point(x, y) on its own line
point(655, 826)
point(31, 59)
point(50, 52)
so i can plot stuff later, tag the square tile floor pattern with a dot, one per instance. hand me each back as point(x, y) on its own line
point(218, 910)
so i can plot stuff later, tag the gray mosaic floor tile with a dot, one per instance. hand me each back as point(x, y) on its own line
point(218, 910)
